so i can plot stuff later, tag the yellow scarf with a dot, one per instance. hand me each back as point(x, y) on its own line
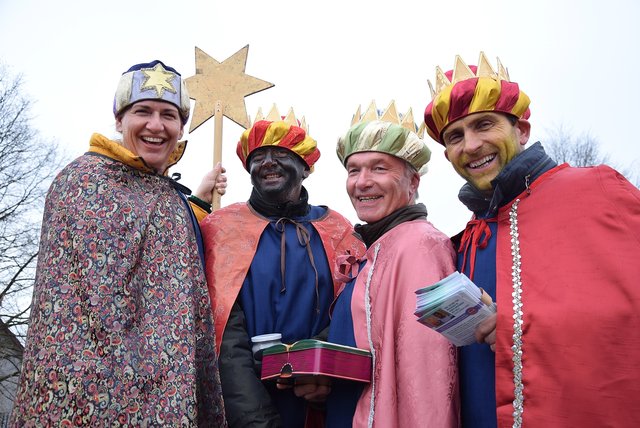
point(114, 150)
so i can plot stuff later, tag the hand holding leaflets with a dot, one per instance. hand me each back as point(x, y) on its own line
point(454, 306)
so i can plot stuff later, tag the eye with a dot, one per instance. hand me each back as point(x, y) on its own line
point(170, 115)
point(140, 111)
point(281, 154)
point(452, 138)
point(484, 124)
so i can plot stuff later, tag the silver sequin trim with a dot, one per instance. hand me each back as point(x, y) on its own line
point(367, 308)
point(516, 348)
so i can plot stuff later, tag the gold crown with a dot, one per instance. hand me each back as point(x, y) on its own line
point(274, 116)
point(461, 71)
point(389, 115)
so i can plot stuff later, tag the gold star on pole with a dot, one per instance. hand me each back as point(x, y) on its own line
point(219, 89)
point(159, 79)
point(223, 82)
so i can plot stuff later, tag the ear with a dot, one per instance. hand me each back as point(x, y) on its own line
point(305, 173)
point(181, 132)
point(415, 183)
point(119, 123)
point(524, 131)
point(446, 154)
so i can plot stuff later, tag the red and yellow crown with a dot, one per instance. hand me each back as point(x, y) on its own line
point(281, 131)
point(472, 89)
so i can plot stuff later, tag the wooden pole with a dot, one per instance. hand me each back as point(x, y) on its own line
point(219, 89)
point(217, 149)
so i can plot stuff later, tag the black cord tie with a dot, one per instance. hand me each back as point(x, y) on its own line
point(304, 239)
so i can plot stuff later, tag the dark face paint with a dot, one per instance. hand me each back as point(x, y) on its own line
point(277, 174)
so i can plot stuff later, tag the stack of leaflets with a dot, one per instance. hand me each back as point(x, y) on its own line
point(454, 306)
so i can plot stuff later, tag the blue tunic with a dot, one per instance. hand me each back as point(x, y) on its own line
point(477, 361)
point(294, 310)
point(342, 402)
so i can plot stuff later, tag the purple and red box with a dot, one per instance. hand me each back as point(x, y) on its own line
point(315, 357)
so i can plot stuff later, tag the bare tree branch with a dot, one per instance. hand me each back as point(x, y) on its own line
point(583, 150)
point(28, 163)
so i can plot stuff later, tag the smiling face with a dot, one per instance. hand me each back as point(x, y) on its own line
point(379, 184)
point(277, 174)
point(151, 129)
point(481, 144)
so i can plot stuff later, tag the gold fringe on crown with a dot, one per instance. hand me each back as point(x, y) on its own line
point(274, 116)
point(389, 115)
point(461, 71)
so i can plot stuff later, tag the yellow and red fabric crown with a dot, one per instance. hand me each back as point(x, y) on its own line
point(472, 89)
point(274, 130)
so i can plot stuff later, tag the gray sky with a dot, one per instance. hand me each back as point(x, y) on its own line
point(577, 61)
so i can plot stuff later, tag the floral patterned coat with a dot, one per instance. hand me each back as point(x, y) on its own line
point(121, 329)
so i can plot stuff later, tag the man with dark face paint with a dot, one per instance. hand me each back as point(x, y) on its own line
point(277, 173)
point(270, 264)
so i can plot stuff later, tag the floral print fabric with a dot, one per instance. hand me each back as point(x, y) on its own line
point(121, 329)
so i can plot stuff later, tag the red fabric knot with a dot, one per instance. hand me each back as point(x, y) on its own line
point(476, 235)
point(348, 267)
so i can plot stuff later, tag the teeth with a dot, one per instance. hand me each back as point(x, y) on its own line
point(152, 140)
point(367, 198)
point(480, 162)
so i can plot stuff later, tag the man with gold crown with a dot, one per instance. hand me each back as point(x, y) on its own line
point(555, 246)
point(270, 264)
point(414, 374)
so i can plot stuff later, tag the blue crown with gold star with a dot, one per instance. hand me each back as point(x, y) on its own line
point(152, 81)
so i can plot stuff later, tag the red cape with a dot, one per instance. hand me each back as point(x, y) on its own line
point(231, 237)
point(579, 238)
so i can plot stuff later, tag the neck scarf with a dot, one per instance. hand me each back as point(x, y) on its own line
point(300, 208)
point(523, 170)
point(371, 232)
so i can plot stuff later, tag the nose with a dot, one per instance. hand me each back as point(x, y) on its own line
point(363, 180)
point(155, 123)
point(472, 142)
point(268, 159)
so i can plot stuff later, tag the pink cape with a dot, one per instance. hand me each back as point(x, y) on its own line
point(414, 375)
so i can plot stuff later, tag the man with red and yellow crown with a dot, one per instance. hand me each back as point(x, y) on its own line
point(555, 246)
point(270, 264)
